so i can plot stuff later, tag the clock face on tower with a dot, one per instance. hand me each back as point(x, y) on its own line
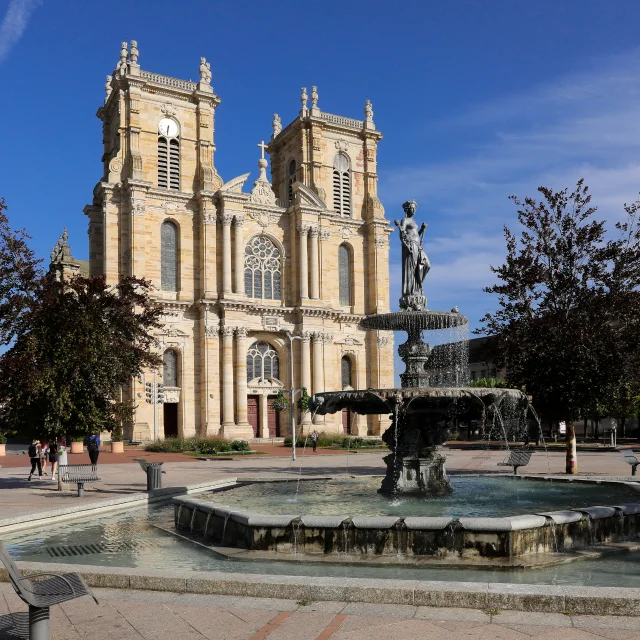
point(168, 127)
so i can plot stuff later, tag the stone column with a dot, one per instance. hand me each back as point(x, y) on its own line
point(304, 263)
point(228, 421)
point(226, 220)
point(239, 255)
point(264, 416)
point(315, 265)
point(241, 376)
point(305, 367)
point(318, 370)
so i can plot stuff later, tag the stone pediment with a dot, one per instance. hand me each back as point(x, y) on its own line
point(174, 332)
point(261, 383)
point(305, 196)
point(235, 185)
point(350, 341)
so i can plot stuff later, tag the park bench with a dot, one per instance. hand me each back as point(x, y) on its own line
point(631, 458)
point(153, 471)
point(41, 594)
point(517, 458)
point(78, 474)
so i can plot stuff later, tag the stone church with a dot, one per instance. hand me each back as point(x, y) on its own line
point(243, 272)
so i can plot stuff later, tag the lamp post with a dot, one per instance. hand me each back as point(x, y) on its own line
point(292, 392)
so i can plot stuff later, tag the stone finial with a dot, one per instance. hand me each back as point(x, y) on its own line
point(134, 52)
point(205, 71)
point(262, 193)
point(107, 88)
point(314, 97)
point(368, 111)
point(304, 98)
point(455, 309)
point(124, 53)
point(277, 125)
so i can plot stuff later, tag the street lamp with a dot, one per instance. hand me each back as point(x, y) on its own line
point(292, 392)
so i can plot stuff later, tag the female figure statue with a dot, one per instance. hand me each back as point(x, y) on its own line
point(415, 264)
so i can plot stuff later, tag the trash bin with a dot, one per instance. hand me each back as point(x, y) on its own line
point(154, 475)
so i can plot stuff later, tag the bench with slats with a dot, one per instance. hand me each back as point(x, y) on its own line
point(631, 458)
point(41, 594)
point(517, 458)
point(78, 474)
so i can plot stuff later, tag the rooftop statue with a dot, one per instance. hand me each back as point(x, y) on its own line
point(415, 264)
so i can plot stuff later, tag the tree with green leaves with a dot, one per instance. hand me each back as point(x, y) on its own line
point(568, 318)
point(72, 345)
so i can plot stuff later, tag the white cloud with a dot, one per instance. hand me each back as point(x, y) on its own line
point(14, 23)
point(580, 126)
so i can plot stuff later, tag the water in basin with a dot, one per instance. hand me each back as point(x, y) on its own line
point(472, 497)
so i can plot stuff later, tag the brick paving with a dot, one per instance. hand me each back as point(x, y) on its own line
point(152, 615)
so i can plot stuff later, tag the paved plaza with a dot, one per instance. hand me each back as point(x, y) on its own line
point(150, 615)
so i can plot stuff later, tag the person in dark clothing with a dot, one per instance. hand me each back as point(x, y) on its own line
point(94, 448)
point(314, 440)
point(34, 456)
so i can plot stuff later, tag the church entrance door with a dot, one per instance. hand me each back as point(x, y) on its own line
point(253, 413)
point(170, 410)
point(346, 421)
point(273, 419)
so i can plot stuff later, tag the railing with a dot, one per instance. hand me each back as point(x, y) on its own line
point(169, 82)
point(345, 122)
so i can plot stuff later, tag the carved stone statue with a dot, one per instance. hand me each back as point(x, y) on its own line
point(134, 52)
point(277, 125)
point(368, 111)
point(304, 97)
point(314, 96)
point(205, 71)
point(107, 88)
point(415, 264)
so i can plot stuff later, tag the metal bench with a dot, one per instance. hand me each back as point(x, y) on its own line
point(517, 458)
point(79, 474)
point(154, 473)
point(42, 594)
point(630, 457)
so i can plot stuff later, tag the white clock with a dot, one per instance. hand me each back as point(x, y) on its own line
point(168, 127)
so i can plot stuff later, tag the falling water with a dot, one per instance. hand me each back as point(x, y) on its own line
point(544, 443)
point(193, 519)
point(206, 524)
point(224, 528)
point(179, 513)
point(304, 448)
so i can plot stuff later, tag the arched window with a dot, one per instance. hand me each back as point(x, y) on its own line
point(169, 256)
point(342, 185)
point(262, 361)
point(169, 155)
point(262, 269)
point(344, 274)
point(170, 368)
point(291, 178)
point(345, 366)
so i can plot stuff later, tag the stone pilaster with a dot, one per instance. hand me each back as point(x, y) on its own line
point(318, 369)
point(305, 367)
point(239, 255)
point(314, 233)
point(303, 231)
point(226, 220)
point(208, 267)
point(228, 422)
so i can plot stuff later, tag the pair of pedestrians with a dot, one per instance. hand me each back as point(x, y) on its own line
point(40, 453)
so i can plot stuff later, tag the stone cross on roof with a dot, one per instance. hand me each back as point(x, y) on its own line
point(262, 146)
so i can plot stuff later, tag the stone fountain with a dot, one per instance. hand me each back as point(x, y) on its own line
point(430, 398)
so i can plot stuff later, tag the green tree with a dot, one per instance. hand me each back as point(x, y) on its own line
point(568, 312)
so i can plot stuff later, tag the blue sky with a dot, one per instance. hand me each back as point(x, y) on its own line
point(476, 100)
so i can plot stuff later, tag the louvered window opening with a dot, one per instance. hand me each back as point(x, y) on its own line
point(169, 256)
point(262, 362)
point(262, 278)
point(342, 185)
point(346, 372)
point(170, 368)
point(291, 179)
point(344, 275)
point(169, 163)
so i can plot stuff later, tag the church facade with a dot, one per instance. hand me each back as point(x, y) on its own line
point(250, 275)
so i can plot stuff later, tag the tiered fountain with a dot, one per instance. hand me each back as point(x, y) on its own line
point(430, 397)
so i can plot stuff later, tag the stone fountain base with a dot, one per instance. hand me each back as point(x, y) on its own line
point(415, 475)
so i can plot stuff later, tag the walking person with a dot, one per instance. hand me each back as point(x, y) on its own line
point(34, 456)
point(52, 454)
point(314, 440)
point(44, 454)
point(93, 447)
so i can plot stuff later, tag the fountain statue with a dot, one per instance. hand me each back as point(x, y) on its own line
point(431, 396)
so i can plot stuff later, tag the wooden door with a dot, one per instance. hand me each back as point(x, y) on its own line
point(346, 421)
point(253, 413)
point(170, 411)
point(273, 417)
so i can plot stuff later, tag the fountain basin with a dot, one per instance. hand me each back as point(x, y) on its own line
point(414, 321)
point(408, 538)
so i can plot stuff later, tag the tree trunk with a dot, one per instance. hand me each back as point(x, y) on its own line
point(572, 455)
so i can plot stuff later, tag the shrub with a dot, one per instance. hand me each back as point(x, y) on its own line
point(328, 440)
point(3, 438)
point(240, 445)
point(168, 445)
point(206, 446)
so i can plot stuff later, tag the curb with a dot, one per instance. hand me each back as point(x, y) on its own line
point(474, 595)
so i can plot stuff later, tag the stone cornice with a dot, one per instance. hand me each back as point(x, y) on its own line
point(245, 306)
